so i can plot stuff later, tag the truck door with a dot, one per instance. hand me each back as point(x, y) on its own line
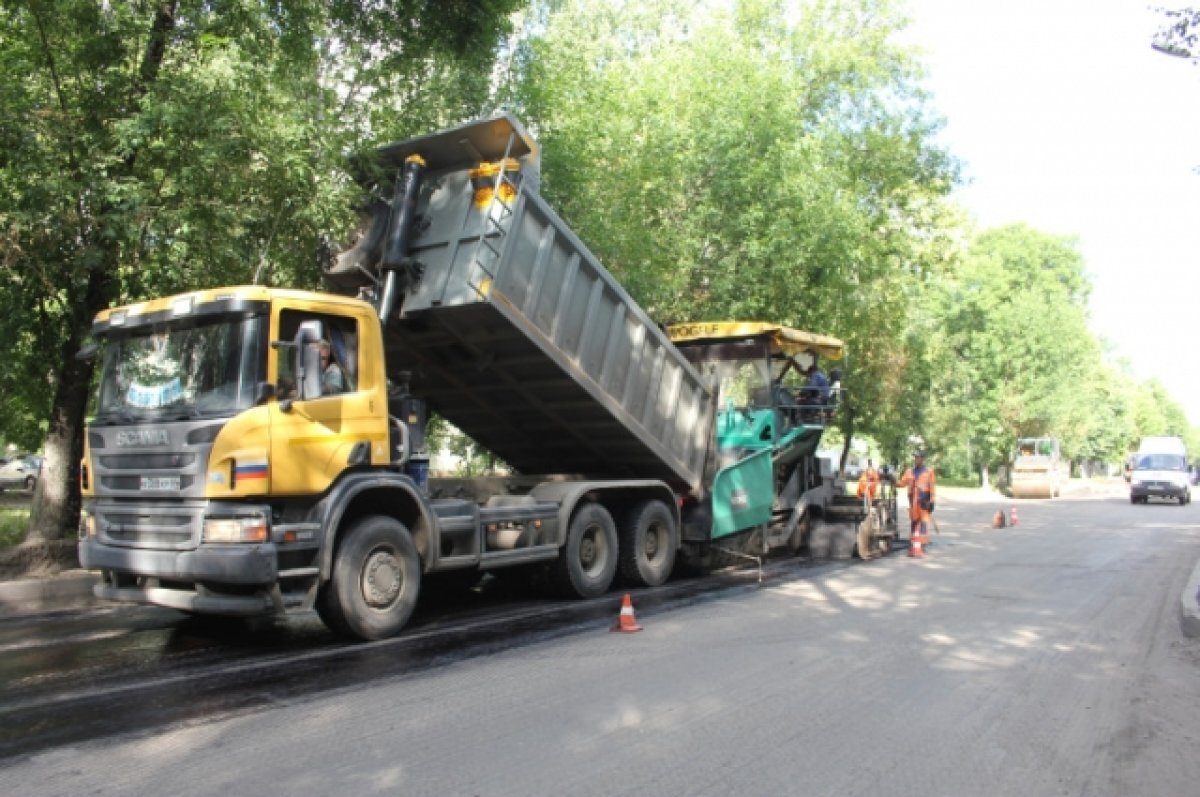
point(313, 439)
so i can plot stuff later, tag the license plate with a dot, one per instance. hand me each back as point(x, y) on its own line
point(160, 483)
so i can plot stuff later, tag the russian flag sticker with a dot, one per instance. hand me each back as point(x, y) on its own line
point(250, 470)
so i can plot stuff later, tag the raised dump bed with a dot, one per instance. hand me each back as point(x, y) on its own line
point(516, 333)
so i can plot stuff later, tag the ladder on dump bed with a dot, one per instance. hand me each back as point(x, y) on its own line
point(497, 216)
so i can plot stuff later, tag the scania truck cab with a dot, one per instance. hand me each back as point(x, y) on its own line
point(212, 453)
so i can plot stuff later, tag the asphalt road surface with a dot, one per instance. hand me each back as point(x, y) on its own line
point(1044, 659)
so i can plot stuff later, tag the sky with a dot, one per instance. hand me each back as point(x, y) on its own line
point(1066, 119)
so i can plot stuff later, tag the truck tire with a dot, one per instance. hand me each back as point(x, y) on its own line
point(587, 563)
point(648, 544)
point(376, 580)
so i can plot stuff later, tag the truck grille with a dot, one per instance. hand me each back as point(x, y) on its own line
point(169, 525)
point(141, 462)
point(172, 466)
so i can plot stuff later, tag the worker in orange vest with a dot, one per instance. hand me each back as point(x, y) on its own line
point(922, 488)
point(868, 481)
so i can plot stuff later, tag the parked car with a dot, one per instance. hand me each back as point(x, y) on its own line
point(20, 473)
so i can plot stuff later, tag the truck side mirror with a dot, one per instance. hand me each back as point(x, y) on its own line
point(308, 359)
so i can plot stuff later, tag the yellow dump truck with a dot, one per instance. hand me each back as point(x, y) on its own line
point(226, 471)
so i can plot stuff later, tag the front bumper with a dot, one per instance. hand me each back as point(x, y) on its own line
point(195, 580)
point(1158, 490)
point(218, 564)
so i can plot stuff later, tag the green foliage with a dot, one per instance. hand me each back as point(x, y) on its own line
point(751, 160)
point(733, 162)
point(472, 459)
point(14, 522)
point(148, 148)
point(1013, 357)
point(1014, 346)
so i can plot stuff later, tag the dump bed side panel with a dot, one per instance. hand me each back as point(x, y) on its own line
point(530, 346)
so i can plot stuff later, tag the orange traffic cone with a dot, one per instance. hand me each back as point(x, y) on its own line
point(915, 548)
point(998, 521)
point(1013, 520)
point(626, 623)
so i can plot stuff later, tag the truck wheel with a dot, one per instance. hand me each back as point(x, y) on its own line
point(376, 580)
point(587, 563)
point(648, 544)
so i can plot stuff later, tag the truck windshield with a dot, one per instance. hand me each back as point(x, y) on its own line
point(182, 371)
point(744, 382)
point(742, 368)
point(1161, 462)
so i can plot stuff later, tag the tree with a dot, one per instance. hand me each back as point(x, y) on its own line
point(155, 147)
point(1155, 414)
point(749, 160)
point(1016, 358)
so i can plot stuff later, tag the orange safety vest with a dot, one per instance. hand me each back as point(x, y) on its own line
point(868, 483)
point(922, 486)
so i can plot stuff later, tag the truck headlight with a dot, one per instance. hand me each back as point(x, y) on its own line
point(250, 528)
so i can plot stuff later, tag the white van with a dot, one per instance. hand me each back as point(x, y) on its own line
point(1160, 470)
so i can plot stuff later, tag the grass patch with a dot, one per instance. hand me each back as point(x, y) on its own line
point(14, 523)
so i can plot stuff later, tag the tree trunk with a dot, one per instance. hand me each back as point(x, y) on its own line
point(54, 515)
point(56, 501)
point(983, 477)
point(50, 544)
